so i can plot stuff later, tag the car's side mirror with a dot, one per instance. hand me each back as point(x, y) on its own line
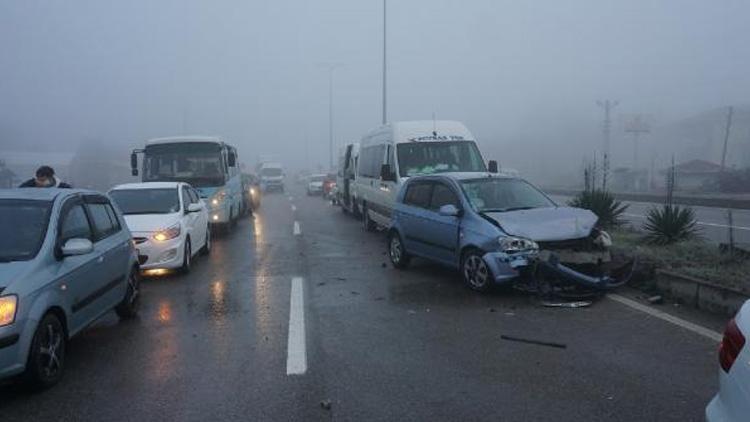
point(386, 173)
point(76, 246)
point(492, 166)
point(194, 208)
point(449, 210)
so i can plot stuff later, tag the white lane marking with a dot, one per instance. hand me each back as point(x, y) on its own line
point(296, 349)
point(297, 231)
point(703, 331)
point(700, 223)
point(294, 208)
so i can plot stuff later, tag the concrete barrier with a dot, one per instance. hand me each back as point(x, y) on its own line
point(699, 293)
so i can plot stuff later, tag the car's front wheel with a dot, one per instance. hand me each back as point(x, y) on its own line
point(206, 249)
point(396, 251)
point(46, 361)
point(476, 274)
point(128, 308)
point(367, 223)
point(187, 258)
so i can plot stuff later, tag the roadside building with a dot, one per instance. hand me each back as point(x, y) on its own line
point(7, 177)
point(696, 176)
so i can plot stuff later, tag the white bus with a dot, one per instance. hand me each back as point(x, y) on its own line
point(208, 163)
point(391, 153)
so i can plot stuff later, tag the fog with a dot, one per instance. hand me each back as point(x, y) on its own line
point(523, 76)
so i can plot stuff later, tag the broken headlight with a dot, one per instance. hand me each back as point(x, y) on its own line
point(510, 244)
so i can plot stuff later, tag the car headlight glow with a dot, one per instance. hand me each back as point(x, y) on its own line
point(167, 234)
point(252, 191)
point(511, 244)
point(218, 197)
point(8, 306)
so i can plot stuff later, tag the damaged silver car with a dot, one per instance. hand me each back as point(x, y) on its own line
point(500, 230)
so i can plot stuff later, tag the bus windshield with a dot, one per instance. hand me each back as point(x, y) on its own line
point(438, 157)
point(200, 164)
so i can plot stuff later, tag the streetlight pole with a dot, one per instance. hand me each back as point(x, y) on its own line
point(385, 109)
point(330, 117)
point(331, 67)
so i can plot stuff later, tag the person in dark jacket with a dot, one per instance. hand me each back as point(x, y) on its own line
point(45, 178)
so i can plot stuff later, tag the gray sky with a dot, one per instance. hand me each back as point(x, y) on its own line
point(523, 75)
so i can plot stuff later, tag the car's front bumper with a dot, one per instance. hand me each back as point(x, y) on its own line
point(14, 347)
point(159, 255)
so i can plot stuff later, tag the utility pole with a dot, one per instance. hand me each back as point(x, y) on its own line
point(385, 93)
point(726, 138)
point(607, 105)
point(637, 127)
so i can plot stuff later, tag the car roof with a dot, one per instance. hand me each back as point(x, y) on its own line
point(42, 194)
point(149, 185)
point(189, 138)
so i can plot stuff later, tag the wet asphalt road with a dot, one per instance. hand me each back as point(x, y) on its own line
point(381, 344)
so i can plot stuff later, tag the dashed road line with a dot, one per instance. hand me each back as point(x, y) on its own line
point(296, 350)
point(297, 231)
point(294, 208)
point(703, 331)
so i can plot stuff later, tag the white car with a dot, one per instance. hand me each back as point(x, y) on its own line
point(169, 223)
point(315, 184)
point(732, 402)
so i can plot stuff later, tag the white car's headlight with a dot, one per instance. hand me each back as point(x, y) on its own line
point(511, 244)
point(8, 306)
point(167, 234)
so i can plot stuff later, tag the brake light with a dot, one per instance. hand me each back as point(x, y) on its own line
point(731, 345)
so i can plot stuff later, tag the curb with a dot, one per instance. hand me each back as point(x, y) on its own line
point(699, 293)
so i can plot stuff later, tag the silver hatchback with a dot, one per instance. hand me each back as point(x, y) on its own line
point(66, 258)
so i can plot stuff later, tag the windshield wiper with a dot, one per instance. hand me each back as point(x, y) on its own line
point(507, 209)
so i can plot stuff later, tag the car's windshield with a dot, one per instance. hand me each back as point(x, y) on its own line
point(200, 164)
point(503, 194)
point(438, 157)
point(146, 201)
point(23, 225)
point(271, 171)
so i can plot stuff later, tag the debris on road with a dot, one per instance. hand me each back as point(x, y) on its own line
point(491, 310)
point(379, 298)
point(326, 404)
point(531, 341)
point(354, 293)
point(412, 312)
point(578, 304)
point(383, 265)
point(341, 278)
point(655, 300)
point(322, 283)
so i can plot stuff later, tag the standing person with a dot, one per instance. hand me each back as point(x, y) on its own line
point(45, 178)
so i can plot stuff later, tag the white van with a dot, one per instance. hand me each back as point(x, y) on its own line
point(346, 177)
point(271, 176)
point(391, 153)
